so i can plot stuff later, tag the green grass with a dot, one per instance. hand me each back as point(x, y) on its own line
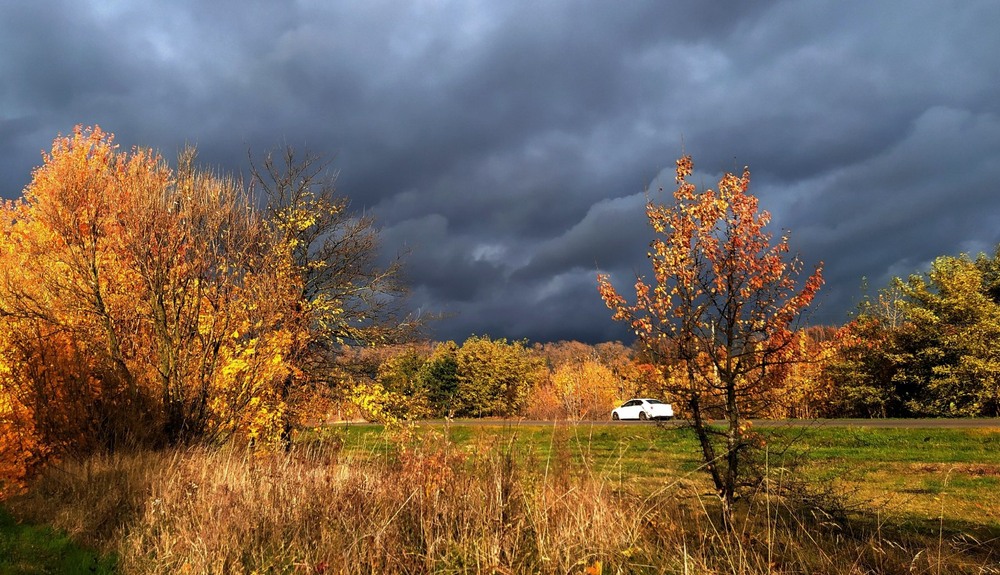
point(26, 549)
point(637, 454)
point(865, 444)
point(919, 475)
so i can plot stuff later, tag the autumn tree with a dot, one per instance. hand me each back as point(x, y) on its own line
point(803, 390)
point(953, 324)
point(586, 390)
point(348, 297)
point(62, 302)
point(21, 452)
point(925, 346)
point(402, 376)
point(720, 307)
point(865, 358)
point(352, 296)
point(632, 373)
point(494, 376)
point(584, 381)
point(439, 376)
point(482, 377)
point(145, 305)
point(219, 299)
point(142, 305)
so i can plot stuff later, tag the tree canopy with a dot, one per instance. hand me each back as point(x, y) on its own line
point(147, 305)
point(717, 314)
point(924, 346)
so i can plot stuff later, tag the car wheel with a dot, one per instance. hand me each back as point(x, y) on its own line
point(643, 416)
point(614, 417)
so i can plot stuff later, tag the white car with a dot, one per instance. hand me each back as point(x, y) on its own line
point(643, 408)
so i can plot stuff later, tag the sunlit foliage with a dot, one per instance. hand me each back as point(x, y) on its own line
point(144, 305)
point(720, 308)
point(482, 377)
point(494, 377)
point(588, 381)
point(926, 346)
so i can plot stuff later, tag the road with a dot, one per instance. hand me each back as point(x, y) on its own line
point(938, 423)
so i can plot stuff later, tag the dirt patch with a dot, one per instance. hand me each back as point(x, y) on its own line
point(969, 469)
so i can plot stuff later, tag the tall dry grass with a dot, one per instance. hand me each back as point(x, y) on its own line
point(431, 506)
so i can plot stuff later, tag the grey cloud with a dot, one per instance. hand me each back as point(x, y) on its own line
point(506, 145)
point(932, 194)
point(565, 307)
point(613, 231)
point(449, 268)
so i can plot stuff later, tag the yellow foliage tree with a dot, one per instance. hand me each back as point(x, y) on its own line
point(586, 390)
point(140, 305)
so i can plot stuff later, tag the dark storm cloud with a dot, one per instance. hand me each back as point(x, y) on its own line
point(613, 231)
point(506, 146)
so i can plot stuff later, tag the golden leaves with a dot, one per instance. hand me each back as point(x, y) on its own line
point(715, 270)
point(685, 167)
point(147, 300)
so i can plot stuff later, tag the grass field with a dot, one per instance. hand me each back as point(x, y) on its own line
point(552, 498)
point(920, 474)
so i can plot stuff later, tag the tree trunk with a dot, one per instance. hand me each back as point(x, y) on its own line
point(728, 491)
point(701, 431)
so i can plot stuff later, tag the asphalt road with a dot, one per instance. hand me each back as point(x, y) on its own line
point(937, 423)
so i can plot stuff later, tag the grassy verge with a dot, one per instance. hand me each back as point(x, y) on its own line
point(925, 478)
point(546, 499)
point(28, 549)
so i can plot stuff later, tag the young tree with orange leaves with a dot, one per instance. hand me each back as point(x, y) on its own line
point(720, 307)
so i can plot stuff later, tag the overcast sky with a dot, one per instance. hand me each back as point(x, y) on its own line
point(506, 145)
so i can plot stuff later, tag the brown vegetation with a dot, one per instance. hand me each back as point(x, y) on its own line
point(430, 505)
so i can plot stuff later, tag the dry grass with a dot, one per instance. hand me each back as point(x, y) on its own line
point(432, 506)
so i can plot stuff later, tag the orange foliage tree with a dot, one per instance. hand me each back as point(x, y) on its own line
point(346, 296)
point(585, 390)
point(141, 305)
point(587, 381)
point(806, 391)
point(720, 309)
point(144, 305)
